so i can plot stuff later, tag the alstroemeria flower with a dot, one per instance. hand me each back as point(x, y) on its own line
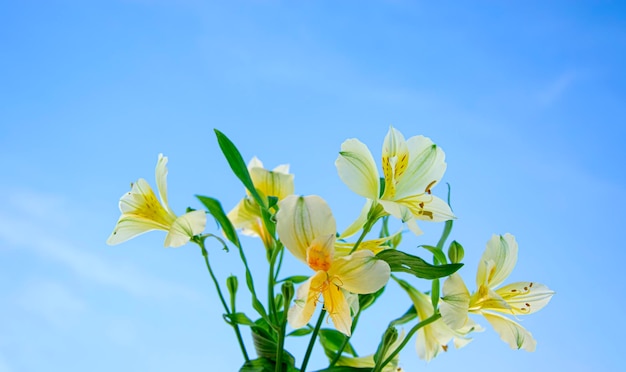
point(247, 214)
point(435, 337)
point(520, 298)
point(143, 212)
point(411, 168)
point(307, 228)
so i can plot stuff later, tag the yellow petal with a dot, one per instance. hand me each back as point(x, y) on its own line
point(360, 272)
point(141, 202)
point(502, 252)
point(454, 304)
point(426, 167)
point(375, 245)
point(307, 296)
point(302, 219)
point(525, 297)
point(357, 169)
point(511, 332)
point(185, 227)
point(319, 255)
point(271, 183)
point(395, 161)
point(338, 308)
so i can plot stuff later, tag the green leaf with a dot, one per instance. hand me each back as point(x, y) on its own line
point(296, 279)
point(301, 332)
point(265, 345)
point(404, 262)
point(265, 365)
point(215, 209)
point(331, 341)
point(237, 164)
point(367, 300)
point(438, 253)
point(239, 318)
point(410, 314)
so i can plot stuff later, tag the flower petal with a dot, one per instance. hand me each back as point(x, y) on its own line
point(246, 216)
point(360, 272)
point(319, 255)
point(502, 251)
point(403, 213)
point(525, 297)
point(428, 208)
point(454, 304)
point(338, 308)
point(426, 167)
point(271, 183)
point(301, 219)
point(511, 332)
point(161, 181)
point(357, 169)
point(130, 226)
point(307, 296)
point(395, 161)
point(185, 227)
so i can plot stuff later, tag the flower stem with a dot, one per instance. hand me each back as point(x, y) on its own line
point(235, 326)
point(379, 366)
point(305, 361)
point(366, 229)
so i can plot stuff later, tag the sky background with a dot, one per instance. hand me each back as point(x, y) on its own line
point(525, 98)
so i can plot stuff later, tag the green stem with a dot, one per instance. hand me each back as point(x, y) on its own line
point(366, 229)
point(379, 366)
point(281, 339)
point(312, 341)
point(346, 340)
point(221, 296)
point(270, 287)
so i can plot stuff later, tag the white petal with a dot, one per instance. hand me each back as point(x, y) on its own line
point(302, 219)
point(502, 251)
point(403, 213)
point(426, 167)
point(283, 168)
point(271, 183)
point(161, 181)
point(185, 227)
point(395, 161)
point(357, 169)
point(129, 226)
point(428, 208)
point(360, 272)
point(454, 304)
point(307, 296)
point(254, 163)
point(511, 332)
point(525, 297)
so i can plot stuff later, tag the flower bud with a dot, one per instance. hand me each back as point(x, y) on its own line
point(455, 252)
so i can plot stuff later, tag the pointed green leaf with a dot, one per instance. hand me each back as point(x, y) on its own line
point(215, 209)
point(239, 318)
point(404, 262)
point(331, 341)
point(438, 253)
point(238, 165)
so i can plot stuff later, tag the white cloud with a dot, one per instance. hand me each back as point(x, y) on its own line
point(52, 301)
point(554, 90)
point(41, 213)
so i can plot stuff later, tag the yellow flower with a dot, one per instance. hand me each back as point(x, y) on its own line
point(143, 212)
point(520, 298)
point(411, 168)
point(247, 214)
point(435, 337)
point(307, 228)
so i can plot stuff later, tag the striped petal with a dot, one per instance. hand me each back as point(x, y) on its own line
point(307, 296)
point(185, 227)
point(498, 261)
point(357, 169)
point(302, 219)
point(511, 332)
point(360, 272)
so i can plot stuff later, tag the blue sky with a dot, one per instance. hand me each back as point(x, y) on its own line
point(526, 100)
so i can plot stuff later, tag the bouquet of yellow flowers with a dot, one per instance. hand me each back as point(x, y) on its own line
point(345, 275)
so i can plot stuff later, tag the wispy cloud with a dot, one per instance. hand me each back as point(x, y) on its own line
point(555, 89)
point(41, 212)
point(52, 301)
